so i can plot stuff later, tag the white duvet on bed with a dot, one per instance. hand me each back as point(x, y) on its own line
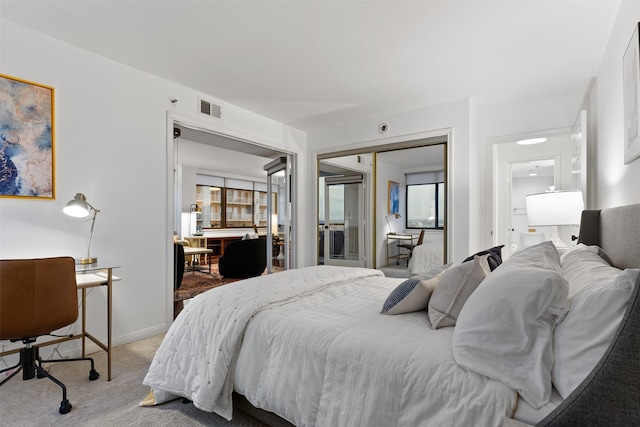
point(324, 358)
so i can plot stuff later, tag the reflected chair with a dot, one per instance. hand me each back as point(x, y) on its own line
point(243, 258)
point(37, 297)
point(178, 274)
point(409, 246)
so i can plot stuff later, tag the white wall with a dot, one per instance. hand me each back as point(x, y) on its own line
point(111, 144)
point(615, 183)
point(386, 173)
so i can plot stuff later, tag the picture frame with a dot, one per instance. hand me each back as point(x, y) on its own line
point(631, 97)
point(393, 203)
point(27, 143)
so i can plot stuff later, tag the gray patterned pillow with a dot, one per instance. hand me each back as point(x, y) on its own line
point(413, 294)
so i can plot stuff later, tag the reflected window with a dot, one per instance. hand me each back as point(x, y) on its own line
point(425, 205)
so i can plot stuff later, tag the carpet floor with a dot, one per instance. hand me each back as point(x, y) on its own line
point(35, 402)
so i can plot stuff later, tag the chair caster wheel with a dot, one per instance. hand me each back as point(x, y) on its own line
point(93, 375)
point(65, 407)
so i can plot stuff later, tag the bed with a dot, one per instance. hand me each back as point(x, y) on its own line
point(311, 345)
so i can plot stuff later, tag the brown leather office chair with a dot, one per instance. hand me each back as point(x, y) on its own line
point(37, 297)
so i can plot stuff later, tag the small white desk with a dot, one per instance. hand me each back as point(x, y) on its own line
point(399, 238)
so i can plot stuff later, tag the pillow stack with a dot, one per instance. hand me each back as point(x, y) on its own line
point(505, 330)
point(534, 322)
point(443, 290)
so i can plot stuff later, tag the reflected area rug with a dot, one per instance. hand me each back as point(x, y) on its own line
point(196, 282)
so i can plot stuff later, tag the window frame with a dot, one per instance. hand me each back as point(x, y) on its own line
point(223, 207)
point(440, 185)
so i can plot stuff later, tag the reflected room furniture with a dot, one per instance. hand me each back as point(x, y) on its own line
point(192, 253)
point(409, 246)
point(400, 239)
point(178, 265)
point(37, 297)
point(244, 258)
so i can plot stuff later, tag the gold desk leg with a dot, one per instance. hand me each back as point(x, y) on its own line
point(109, 288)
point(84, 319)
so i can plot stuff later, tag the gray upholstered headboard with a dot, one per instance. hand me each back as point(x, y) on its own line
point(616, 231)
point(610, 395)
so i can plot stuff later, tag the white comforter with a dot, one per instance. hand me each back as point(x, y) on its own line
point(318, 353)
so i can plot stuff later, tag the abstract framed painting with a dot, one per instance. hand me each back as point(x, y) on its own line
point(631, 97)
point(394, 198)
point(27, 160)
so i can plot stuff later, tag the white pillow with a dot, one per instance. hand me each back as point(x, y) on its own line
point(585, 267)
point(505, 329)
point(585, 334)
point(588, 248)
point(453, 289)
point(543, 255)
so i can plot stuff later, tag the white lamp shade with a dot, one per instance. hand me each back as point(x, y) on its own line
point(77, 207)
point(554, 208)
point(274, 224)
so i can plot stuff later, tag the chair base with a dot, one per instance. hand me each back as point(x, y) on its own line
point(31, 366)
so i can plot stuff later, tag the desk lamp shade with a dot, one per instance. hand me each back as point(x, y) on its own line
point(554, 208)
point(79, 207)
point(396, 216)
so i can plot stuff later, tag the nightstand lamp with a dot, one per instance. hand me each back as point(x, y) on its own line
point(79, 207)
point(555, 208)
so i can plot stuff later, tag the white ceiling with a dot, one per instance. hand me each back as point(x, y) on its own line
point(316, 64)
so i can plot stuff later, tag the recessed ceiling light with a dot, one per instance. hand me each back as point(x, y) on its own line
point(531, 141)
point(533, 174)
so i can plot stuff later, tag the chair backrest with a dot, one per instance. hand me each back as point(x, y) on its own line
point(420, 238)
point(37, 296)
point(178, 265)
point(244, 258)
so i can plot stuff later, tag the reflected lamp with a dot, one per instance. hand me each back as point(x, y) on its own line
point(555, 208)
point(396, 215)
point(79, 207)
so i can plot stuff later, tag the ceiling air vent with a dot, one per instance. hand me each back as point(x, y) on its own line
point(209, 109)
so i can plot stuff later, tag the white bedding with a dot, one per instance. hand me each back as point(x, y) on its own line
point(324, 358)
point(424, 258)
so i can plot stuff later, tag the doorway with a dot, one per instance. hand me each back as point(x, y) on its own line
point(279, 213)
point(522, 169)
point(526, 177)
point(193, 150)
point(342, 233)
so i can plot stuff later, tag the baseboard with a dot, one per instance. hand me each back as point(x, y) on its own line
point(91, 347)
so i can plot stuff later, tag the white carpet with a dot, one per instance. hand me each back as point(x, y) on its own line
point(101, 403)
